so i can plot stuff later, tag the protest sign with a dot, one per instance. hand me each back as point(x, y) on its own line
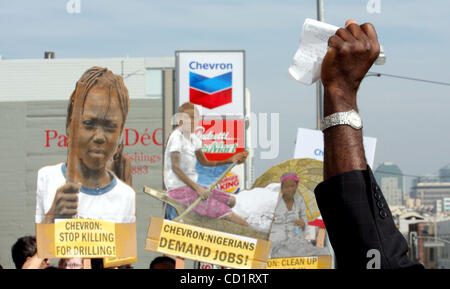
point(307, 62)
point(86, 238)
point(316, 262)
point(196, 243)
point(309, 144)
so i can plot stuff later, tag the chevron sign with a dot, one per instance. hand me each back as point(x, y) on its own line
point(210, 92)
point(213, 80)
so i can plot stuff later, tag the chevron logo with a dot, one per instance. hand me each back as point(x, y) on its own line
point(210, 92)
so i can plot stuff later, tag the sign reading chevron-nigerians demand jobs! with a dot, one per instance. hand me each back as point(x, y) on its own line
point(214, 80)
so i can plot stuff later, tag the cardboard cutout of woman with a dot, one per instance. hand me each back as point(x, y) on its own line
point(183, 150)
point(288, 227)
point(83, 186)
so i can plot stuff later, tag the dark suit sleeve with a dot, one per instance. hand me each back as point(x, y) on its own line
point(358, 219)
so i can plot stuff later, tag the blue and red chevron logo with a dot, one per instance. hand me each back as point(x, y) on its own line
point(210, 92)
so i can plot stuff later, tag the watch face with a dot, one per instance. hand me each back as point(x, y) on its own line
point(355, 119)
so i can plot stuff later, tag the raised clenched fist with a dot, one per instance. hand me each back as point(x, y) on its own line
point(352, 51)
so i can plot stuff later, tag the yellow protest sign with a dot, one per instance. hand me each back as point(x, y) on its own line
point(196, 243)
point(85, 238)
point(315, 262)
point(124, 236)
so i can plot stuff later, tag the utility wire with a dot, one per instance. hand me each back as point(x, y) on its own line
point(378, 74)
point(406, 175)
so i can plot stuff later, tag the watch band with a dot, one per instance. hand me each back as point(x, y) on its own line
point(350, 118)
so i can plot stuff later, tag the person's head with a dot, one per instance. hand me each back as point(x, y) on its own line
point(23, 249)
point(104, 109)
point(289, 183)
point(188, 117)
point(71, 263)
point(162, 262)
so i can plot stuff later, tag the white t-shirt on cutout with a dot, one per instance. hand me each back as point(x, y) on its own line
point(115, 202)
point(187, 148)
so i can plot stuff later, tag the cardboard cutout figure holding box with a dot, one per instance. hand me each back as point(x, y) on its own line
point(83, 188)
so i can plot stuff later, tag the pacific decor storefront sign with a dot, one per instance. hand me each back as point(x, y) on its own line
point(135, 139)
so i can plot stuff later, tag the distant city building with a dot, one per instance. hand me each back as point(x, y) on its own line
point(443, 235)
point(434, 194)
point(422, 244)
point(426, 179)
point(444, 177)
point(403, 217)
point(446, 205)
point(429, 243)
point(390, 178)
point(433, 191)
point(438, 209)
point(444, 174)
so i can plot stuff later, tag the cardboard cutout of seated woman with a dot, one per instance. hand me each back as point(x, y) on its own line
point(288, 227)
point(183, 151)
point(83, 186)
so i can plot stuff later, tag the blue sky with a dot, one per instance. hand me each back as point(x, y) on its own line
point(409, 119)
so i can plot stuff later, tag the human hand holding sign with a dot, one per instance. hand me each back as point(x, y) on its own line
point(352, 205)
point(65, 203)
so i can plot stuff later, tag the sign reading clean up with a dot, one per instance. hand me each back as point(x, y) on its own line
point(309, 144)
point(214, 80)
point(314, 262)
